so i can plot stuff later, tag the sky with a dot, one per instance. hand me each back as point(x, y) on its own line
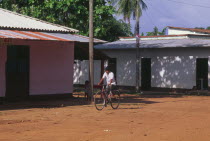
point(162, 13)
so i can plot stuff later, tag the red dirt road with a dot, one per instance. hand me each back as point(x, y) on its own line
point(164, 118)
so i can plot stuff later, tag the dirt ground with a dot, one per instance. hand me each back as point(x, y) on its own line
point(139, 118)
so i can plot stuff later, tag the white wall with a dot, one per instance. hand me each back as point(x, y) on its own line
point(81, 71)
point(126, 67)
point(181, 32)
point(125, 61)
point(171, 68)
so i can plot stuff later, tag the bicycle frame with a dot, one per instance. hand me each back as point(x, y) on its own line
point(105, 96)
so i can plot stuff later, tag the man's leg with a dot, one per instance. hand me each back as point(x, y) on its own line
point(110, 91)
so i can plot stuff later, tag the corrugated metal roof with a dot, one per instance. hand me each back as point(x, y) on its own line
point(161, 36)
point(12, 20)
point(169, 43)
point(16, 34)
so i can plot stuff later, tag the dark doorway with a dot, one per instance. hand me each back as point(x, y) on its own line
point(202, 73)
point(17, 72)
point(146, 74)
point(112, 63)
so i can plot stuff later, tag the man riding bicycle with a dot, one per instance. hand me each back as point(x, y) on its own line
point(108, 94)
point(110, 80)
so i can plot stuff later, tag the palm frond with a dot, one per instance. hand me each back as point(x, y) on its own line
point(129, 8)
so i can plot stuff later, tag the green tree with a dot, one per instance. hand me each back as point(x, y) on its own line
point(112, 32)
point(156, 32)
point(163, 32)
point(74, 14)
point(208, 28)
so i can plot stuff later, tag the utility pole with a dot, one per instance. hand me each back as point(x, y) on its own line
point(91, 63)
point(137, 52)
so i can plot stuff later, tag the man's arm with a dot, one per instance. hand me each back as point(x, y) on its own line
point(102, 79)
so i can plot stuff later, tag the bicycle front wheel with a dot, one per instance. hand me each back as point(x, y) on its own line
point(99, 100)
point(115, 99)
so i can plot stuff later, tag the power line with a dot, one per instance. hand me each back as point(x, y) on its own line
point(150, 18)
point(160, 11)
point(157, 10)
point(203, 6)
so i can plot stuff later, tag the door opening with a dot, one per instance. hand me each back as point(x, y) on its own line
point(146, 74)
point(202, 73)
point(17, 72)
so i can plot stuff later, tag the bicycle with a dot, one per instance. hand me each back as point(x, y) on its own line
point(104, 97)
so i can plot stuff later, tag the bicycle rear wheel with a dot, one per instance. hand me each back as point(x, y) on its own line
point(99, 100)
point(115, 99)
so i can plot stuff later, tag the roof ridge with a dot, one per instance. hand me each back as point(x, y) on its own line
point(67, 28)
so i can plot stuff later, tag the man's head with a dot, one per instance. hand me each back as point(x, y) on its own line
point(107, 70)
point(86, 82)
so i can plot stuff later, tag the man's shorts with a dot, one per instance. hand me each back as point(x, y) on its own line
point(111, 87)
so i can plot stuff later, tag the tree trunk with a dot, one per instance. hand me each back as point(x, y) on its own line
point(91, 63)
point(137, 54)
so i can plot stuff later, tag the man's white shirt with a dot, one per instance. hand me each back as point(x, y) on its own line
point(109, 77)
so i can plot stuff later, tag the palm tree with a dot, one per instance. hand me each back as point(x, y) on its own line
point(129, 8)
point(133, 8)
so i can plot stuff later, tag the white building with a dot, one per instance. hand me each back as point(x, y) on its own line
point(180, 31)
point(169, 61)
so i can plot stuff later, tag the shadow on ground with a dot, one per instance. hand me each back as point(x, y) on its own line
point(43, 103)
point(77, 100)
point(161, 95)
